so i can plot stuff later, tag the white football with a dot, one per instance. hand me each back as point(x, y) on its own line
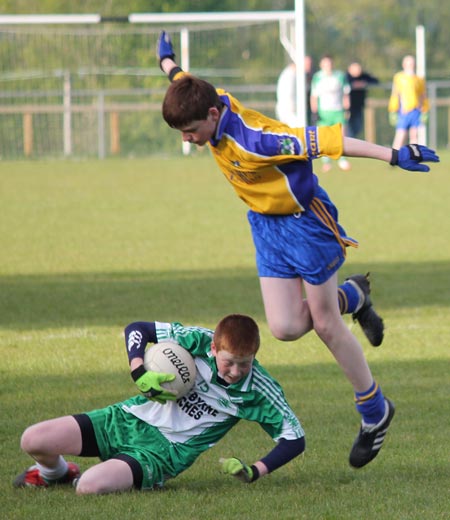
point(171, 358)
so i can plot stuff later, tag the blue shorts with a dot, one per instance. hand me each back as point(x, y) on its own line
point(309, 245)
point(409, 120)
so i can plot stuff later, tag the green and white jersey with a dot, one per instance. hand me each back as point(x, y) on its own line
point(330, 89)
point(202, 417)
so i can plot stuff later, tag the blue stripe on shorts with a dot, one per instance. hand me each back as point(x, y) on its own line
point(292, 246)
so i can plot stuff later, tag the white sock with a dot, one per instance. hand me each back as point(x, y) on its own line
point(53, 473)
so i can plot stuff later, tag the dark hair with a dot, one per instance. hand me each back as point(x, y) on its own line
point(237, 334)
point(189, 99)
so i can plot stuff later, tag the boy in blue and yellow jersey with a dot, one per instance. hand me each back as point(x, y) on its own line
point(408, 104)
point(152, 437)
point(299, 243)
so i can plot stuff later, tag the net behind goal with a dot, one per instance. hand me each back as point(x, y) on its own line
point(83, 90)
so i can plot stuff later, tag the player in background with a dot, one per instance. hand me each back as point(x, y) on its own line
point(286, 107)
point(359, 81)
point(408, 105)
point(330, 100)
point(299, 243)
point(150, 438)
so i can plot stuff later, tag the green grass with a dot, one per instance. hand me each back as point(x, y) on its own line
point(87, 247)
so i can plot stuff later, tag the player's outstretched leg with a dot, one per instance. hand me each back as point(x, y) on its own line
point(370, 439)
point(32, 477)
point(371, 323)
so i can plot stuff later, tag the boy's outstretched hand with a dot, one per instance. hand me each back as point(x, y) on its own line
point(238, 469)
point(164, 48)
point(411, 156)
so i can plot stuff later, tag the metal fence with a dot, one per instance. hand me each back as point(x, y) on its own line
point(127, 122)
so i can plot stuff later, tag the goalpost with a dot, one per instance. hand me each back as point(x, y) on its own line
point(89, 85)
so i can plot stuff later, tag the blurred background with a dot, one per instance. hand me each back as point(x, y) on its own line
point(78, 89)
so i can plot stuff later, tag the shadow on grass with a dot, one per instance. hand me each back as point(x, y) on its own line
point(318, 393)
point(80, 299)
point(69, 300)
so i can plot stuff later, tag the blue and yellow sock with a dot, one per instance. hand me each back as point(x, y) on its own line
point(350, 298)
point(371, 404)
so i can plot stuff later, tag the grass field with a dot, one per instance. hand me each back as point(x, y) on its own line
point(87, 247)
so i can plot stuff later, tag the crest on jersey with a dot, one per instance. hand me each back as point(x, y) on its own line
point(287, 146)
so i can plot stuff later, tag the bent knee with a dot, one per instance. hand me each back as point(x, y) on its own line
point(97, 482)
point(30, 442)
point(285, 331)
point(87, 486)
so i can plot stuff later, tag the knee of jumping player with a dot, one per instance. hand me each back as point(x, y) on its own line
point(286, 331)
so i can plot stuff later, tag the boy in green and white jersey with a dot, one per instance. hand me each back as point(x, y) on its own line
point(152, 437)
point(330, 101)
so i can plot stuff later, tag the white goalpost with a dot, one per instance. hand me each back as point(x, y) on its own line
point(421, 71)
point(100, 75)
point(291, 36)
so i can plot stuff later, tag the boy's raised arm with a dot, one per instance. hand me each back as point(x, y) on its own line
point(165, 53)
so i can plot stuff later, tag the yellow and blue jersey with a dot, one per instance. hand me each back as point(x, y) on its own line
point(408, 93)
point(268, 163)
